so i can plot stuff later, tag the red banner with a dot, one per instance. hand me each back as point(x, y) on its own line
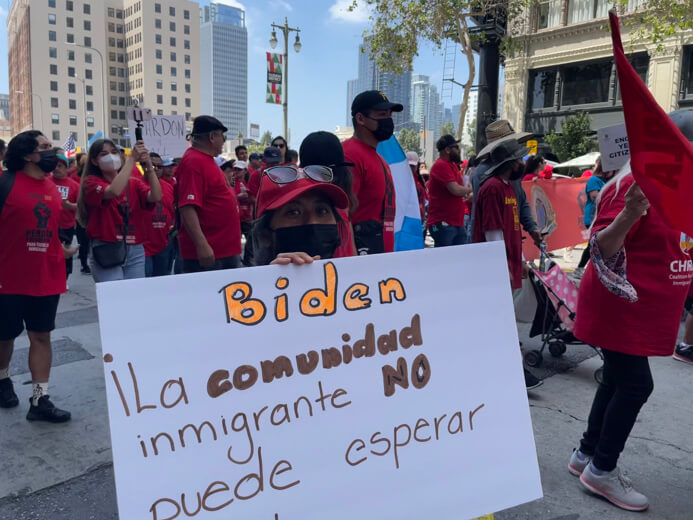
point(558, 206)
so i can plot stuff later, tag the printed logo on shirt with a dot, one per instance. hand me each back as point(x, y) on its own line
point(191, 197)
point(42, 214)
point(686, 243)
point(64, 191)
point(99, 188)
point(39, 239)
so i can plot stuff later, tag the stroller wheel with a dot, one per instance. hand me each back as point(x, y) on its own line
point(557, 348)
point(533, 358)
point(599, 375)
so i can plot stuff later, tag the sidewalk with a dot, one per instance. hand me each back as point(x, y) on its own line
point(64, 471)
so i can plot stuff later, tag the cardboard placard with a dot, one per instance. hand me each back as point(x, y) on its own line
point(353, 388)
point(613, 147)
point(164, 135)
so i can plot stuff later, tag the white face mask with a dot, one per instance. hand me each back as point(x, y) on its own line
point(110, 162)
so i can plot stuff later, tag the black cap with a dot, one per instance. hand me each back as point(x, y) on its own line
point(322, 148)
point(254, 155)
point(272, 155)
point(206, 124)
point(373, 100)
point(445, 141)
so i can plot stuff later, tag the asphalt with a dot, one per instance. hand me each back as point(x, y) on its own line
point(56, 472)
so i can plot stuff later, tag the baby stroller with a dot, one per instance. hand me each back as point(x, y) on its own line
point(554, 319)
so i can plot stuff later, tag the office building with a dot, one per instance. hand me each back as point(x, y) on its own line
point(352, 90)
point(426, 109)
point(162, 38)
point(5, 106)
point(566, 65)
point(224, 67)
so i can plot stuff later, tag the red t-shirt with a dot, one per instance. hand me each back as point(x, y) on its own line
point(659, 270)
point(496, 208)
point(201, 183)
point(106, 216)
point(69, 190)
point(254, 182)
point(32, 261)
point(245, 208)
point(373, 188)
point(443, 206)
point(159, 222)
point(169, 180)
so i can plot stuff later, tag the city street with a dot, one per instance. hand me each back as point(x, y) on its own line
point(61, 472)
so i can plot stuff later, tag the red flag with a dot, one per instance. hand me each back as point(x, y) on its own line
point(661, 157)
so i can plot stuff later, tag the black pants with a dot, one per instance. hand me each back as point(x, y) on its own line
point(627, 383)
point(585, 257)
point(230, 262)
point(83, 240)
point(66, 235)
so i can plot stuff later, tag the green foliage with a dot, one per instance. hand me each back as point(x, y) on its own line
point(471, 132)
point(575, 139)
point(409, 140)
point(656, 20)
point(266, 139)
point(448, 128)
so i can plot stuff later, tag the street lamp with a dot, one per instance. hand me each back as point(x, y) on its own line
point(40, 108)
point(103, 83)
point(286, 30)
point(84, 98)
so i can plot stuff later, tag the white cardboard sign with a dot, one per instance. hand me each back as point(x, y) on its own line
point(164, 135)
point(613, 147)
point(364, 387)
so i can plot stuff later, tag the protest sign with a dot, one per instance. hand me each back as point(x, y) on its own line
point(164, 135)
point(353, 388)
point(613, 147)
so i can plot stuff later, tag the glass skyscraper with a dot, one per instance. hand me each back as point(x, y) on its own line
point(224, 66)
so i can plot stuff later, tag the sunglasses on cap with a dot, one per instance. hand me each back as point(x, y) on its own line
point(288, 174)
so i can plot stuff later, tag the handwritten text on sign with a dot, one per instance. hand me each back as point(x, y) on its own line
point(355, 387)
point(613, 147)
point(164, 135)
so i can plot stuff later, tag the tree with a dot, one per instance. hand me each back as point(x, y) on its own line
point(656, 20)
point(266, 139)
point(471, 132)
point(448, 128)
point(399, 25)
point(574, 140)
point(409, 140)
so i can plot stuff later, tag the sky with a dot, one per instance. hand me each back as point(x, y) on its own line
point(317, 75)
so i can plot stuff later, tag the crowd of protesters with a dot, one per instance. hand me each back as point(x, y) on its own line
point(144, 215)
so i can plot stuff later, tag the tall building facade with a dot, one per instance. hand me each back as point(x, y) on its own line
point(162, 38)
point(224, 66)
point(426, 109)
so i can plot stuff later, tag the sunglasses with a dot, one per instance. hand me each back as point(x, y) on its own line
point(288, 174)
point(279, 145)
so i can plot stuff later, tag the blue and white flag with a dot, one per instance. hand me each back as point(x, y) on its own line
point(97, 135)
point(408, 226)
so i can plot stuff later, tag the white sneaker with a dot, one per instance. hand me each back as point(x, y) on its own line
point(615, 487)
point(578, 462)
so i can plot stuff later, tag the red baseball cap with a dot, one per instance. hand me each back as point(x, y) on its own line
point(272, 195)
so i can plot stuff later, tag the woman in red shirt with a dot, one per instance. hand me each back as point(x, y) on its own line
point(105, 205)
point(630, 313)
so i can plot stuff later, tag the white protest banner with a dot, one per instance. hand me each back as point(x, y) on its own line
point(363, 387)
point(164, 135)
point(613, 147)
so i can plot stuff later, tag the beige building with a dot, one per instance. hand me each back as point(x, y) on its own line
point(163, 48)
point(565, 65)
point(75, 65)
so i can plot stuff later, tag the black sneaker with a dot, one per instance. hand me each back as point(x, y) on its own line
point(46, 411)
point(531, 381)
point(8, 399)
point(684, 353)
point(85, 269)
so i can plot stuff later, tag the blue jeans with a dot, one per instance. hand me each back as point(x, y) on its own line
point(132, 268)
point(159, 265)
point(448, 235)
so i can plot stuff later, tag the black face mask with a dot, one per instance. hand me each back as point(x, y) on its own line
point(386, 127)
point(49, 160)
point(313, 239)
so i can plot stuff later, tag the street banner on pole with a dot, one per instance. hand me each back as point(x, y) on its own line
point(341, 390)
point(613, 147)
point(275, 72)
point(164, 135)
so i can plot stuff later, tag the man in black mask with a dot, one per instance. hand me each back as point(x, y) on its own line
point(373, 219)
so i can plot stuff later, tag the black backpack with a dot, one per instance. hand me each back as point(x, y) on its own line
point(6, 183)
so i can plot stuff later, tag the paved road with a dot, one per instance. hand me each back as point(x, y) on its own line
point(55, 472)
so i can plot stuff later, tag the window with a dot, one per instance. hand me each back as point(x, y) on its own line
point(69, 5)
point(53, 70)
point(111, 12)
point(114, 114)
point(186, 14)
point(186, 44)
point(187, 59)
point(157, 8)
point(112, 71)
point(121, 73)
point(51, 3)
point(188, 116)
point(686, 93)
point(187, 73)
point(172, 26)
point(174, 72)
point(187, 88)
point(90, 122)
point(174, 86)
point(174, 100)
point(71, 72)
point(172, 11)
point(70, 38)
point(70, 22)
point(122, 114)
point(172, 41)
point(88, 74)
point(157, 39)
point(54, 86)
point(90, 106)
point(52, 52)
point(54, 102)
point(584, 83)
point(87, 41)
point(542, 86)
point(186, 29)
point(72, 103)
point(158, 54)
point(90, 90)
point(71, 88)
point(55, 119)
point(121, 101)
point(56, 135)
point(159, 69)
point(157, 23)
point(159, 84)
point(119, 14)
point(87, 25)
point(188, 103)
point(87, 58)
point(173, 56)
point(51, 36)
point(111, 27)
point(73, 120)
point(583, 10)
point(160, 112)
point(550, 14)
point(87, 9)
point(51, 18)
point(159, 99)
point(114, 100)
point(70, 55)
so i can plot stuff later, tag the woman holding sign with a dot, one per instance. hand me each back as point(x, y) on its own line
point(630, 304)
point(111, 206)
